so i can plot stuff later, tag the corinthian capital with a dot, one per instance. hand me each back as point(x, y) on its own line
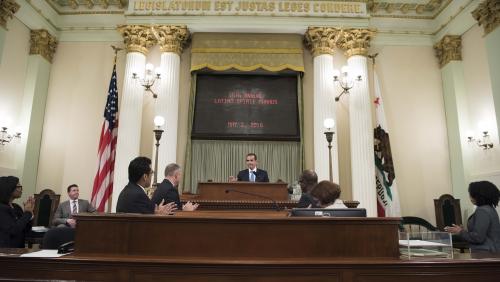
point(355, 41)
point(449, 49)
point(487, 14)
point(7, 9)
point(42, 43)
point(137, 38)
point(321, 40)
point(172, 38)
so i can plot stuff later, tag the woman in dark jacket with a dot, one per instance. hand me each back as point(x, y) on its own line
point(483, 226)
point(14, 222)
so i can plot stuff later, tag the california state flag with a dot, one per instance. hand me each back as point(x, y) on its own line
point(387, 192)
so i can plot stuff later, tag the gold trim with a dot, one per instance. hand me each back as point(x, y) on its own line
point(452, 18)
point(248, 50)
point(247, 68)
point(448, 49)
point(42, 43)
point(487, 15)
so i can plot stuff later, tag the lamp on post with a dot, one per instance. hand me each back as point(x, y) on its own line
point(159, 121)
point(345, 80)
point(329, 123)
point(149, 79)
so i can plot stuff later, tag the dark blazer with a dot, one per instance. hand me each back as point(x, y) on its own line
point(132, 199)
point(306, 200)
point(260, 175)
point(14, 224)
point(63, 211)
point(166, 191)
point(483, 230)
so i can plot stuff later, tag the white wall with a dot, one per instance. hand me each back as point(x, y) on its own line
point(78, 89)
point(12, 77)
point(412, 95)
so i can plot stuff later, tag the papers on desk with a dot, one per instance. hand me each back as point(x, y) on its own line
point(39, 229)
point(43, 254)
point(420, 243)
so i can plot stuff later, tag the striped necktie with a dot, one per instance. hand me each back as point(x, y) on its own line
point(75, 208)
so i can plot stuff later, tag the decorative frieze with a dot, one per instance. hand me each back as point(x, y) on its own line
point(449, 49)
point(355, 41)
point(172, 38)
point(7, 9)
point(487, 14)
point(137, 38)
point(321, 40)
point(42, 43)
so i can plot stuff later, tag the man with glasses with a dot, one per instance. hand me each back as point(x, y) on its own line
point(252, 174)
point(74, 205)
point(133, 198)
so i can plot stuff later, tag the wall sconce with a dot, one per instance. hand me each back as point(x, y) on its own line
point(484, 142)
point(149, 79)
point(6, 137)
point(329, 123)
point(345, 80)
point(159, 121)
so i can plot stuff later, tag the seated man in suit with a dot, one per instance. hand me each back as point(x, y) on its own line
point(307, 180)
point(133, 198)
point(65, 210)
point(252, 174)
point(167, 190)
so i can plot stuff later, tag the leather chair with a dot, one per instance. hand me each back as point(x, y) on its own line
point(448, 212)
point(46, 203)
point(57, 236)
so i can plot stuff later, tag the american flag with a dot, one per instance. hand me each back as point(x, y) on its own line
point(103, 181)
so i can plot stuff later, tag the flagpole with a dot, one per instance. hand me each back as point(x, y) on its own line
point(115, 49)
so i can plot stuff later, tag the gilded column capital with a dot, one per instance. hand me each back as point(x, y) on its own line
point(487, 14)
point(42, 43)
point(172, 38)
point(7, 9)
point(137, 38)
point(355, 41)
point(321, 40)
point(449, 49)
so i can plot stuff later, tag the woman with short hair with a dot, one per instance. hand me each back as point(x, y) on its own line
point(327, 195)
point(14, 222)
point(483, 226)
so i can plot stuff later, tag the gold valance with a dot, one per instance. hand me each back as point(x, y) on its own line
point(247, 52)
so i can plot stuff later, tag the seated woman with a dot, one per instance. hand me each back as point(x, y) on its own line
point(327, 195)
point(483, 226)
point(14, 222)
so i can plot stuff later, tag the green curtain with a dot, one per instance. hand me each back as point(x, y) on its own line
point(216, 160)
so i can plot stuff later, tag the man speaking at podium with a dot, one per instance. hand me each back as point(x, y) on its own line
point(252, 174)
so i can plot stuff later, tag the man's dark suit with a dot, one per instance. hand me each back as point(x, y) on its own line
point(260, 175)
point(166, 191)
point(132, 199)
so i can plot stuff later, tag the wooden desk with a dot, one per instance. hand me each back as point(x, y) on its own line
point(240, 246)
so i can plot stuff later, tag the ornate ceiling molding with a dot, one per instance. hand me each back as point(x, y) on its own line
point(487, 14)
point(448, 49)
point(7, 9)
point(321, 40)
point(42, 43)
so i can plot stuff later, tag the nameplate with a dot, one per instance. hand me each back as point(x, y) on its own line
point(278, 8)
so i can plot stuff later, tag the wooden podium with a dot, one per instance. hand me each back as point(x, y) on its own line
point(240, 191)
point(244, 196)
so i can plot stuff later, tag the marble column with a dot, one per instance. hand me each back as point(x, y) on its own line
point(487, 14)
point(356, 43)
point(449, 53)
point(172, 39)
point(137, 39)
point(42, 49)
point(7, 9)
point(321, 42)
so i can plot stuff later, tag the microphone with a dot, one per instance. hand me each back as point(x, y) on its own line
point(255, 195)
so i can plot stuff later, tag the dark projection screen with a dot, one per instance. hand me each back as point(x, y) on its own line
point(256, 107)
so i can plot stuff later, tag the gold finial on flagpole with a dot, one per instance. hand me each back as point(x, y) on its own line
point(116, 49)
